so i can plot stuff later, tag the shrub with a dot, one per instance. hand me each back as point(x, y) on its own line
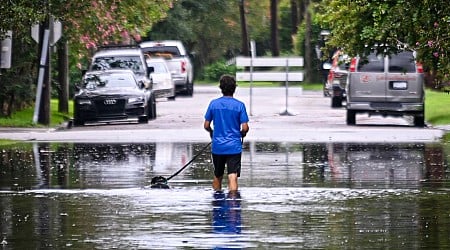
point(213, 71)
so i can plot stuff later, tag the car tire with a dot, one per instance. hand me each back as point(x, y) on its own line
point(419, 121)
point(143, 119)
point(336, 101)
point(151, 108)
point(189, 89)
point(351, 117)
point(78, 122)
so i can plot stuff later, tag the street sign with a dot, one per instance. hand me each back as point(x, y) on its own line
point(5, 50)
point(55, 32)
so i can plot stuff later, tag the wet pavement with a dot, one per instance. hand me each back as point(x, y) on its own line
point(310, 119)
point(292, 195)
point(308, 182)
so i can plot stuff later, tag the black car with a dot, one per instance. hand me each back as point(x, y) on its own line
point(113, 95)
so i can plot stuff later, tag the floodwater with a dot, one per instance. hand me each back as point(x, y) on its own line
point(302, 196)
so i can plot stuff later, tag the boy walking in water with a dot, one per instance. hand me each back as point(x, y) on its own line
point(230, 121)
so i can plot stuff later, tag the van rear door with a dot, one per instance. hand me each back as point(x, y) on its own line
point(368, 80)
point(404, 84)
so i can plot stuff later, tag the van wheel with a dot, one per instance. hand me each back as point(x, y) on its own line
point(351, 117)
point(336, 102)
point(419, 121)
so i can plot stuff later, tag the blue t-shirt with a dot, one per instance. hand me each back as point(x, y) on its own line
point(226, 114)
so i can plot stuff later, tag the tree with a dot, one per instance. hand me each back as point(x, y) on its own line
point(423, 26)
point(244, 32)
point(108, 22)
point(274, 28)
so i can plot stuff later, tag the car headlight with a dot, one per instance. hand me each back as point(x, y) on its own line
point(84, 101)
point(135, 99)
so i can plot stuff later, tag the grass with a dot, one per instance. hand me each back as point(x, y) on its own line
point(437, 108)
point(24, 118)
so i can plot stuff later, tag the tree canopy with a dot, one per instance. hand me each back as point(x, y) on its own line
point(421, 25)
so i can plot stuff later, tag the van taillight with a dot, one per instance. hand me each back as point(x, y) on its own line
point(352, 67)
point(183, 67)
point(419, 68)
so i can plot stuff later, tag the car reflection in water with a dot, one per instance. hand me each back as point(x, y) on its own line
point(264, 164)
point(398, 165)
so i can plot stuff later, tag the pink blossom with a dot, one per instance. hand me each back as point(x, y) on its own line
point(430, 43)
point(436, 24)
point(436, 54)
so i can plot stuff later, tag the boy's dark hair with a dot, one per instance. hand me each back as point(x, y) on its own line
point(227, 85)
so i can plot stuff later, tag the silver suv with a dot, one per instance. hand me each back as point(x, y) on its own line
point(122, 57)
point(178, 60)
point(386, 85)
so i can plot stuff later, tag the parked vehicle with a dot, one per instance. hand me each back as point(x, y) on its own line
point(163, 84)
point(386, 85)
point(122, 57)
point(178, 61)
point(337, 78)
point(112, 95)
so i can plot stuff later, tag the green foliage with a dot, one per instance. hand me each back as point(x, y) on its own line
point(213, 71)
point(413, 24)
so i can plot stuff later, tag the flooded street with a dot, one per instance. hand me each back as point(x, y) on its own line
point(292, 195)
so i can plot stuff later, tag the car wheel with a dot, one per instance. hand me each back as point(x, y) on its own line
point(419, 120)
point(190, 89)
point(78, 122)
point(152, 108)
point(336, 102)
point(351, 117)
point(143, 119)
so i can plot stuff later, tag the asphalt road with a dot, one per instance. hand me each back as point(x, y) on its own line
point(305, 116)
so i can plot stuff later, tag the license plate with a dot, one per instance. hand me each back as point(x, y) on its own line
point(399, 85)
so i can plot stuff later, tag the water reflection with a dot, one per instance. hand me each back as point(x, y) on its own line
point(226, 218)
point(319, 196)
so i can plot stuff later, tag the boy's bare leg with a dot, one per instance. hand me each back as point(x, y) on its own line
point(232, 182)
point(217, 183)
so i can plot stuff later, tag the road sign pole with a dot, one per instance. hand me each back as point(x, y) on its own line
point(42, 64)
point(286, 112)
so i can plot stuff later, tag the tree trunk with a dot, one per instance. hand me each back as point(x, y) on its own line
point(294, 16)
point(274, 27)
point(244, 32)
point(63, 76)
point(308, 48)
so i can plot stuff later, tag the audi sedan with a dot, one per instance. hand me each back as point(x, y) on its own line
point(113, 95)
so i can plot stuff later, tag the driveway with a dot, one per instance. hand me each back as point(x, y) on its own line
point(305, 116)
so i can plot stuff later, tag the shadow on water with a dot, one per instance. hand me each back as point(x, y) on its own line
point(316, 196)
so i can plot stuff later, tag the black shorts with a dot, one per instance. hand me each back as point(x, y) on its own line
point(233, 163)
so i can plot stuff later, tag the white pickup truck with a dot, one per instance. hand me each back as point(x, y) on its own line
point(178, 61)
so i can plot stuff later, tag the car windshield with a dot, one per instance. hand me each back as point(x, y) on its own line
point(158, 67)
point(109, 81)
point(118, 62)
point(162, 51)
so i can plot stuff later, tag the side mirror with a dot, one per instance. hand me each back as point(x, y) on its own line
point(141, 84)
point(77, 86)
point(151, 69)
point(326, 65)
